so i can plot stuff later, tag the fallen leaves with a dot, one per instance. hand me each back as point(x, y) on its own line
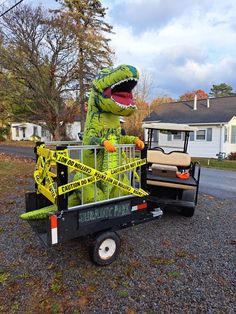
point(163, 261)
point(4, 276)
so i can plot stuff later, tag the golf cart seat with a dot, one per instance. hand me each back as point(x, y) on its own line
point(178, 159)
point(164, 167)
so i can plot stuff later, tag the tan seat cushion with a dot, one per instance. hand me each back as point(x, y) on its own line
point(173, 159)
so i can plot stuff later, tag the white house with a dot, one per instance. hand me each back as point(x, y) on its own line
point(25, 131)
point(214, 120)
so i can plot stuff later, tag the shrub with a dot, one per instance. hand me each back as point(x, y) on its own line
point(232, 156)
point(4, 132)
point(35, 138)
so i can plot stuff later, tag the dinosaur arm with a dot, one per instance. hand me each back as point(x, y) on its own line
point(132, 140)
point(127, 139)
point(95, 140)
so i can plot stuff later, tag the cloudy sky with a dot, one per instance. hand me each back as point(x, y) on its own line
point(182, 45)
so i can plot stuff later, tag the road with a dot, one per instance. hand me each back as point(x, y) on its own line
point(18, 151)
point(219, 183)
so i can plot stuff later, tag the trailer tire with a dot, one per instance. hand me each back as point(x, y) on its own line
point(105, 248)
point(187, 211)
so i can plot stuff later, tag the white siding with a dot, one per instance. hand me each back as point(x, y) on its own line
point(73, 130)
point(204, 148)
point(228, 146)
point(24, 131)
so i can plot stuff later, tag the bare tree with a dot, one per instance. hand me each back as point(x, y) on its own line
point(142, 91)
point(39, 51)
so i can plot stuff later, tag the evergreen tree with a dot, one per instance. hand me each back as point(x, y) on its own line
point(222, 90)
point(86, 18)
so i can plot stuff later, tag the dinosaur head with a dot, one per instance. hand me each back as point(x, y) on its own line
point(113, 90)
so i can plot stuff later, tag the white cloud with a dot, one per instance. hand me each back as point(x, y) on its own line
point(185, 44)
point(192, 47)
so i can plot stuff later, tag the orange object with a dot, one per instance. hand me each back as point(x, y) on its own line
point(139, 144)
point(53, 220)
point(109, 146)
point(182, 175)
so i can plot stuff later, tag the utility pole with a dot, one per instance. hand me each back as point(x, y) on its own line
point(8, 5)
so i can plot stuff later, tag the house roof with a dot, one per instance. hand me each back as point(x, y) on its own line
point(221, 110)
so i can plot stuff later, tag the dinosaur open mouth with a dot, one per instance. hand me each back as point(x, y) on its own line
point(121, 92)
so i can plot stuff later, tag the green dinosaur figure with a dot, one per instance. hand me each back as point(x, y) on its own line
point(110, 98)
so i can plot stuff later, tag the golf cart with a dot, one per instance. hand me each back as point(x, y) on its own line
point(171, 178)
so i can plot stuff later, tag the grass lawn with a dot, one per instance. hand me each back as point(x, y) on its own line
point(214, 163)
point(13, 173)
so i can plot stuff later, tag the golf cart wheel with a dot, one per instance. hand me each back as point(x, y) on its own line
point(188, 195)
point(105, 248)
point(188, 211)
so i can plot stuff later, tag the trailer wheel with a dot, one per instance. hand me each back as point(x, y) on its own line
point(105, 248)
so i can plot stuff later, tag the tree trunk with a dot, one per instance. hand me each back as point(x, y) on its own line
point(81, 89)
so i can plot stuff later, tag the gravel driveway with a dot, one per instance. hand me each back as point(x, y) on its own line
point(171, 265)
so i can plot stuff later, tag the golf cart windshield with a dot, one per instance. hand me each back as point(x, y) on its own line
point(168, 136)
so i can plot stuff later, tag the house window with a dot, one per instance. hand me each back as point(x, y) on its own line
point(155, 135)
point(226, 135)
point(23, 132)
point(233, 134)
point(209, 135)
point(43, 131)
point(169, 136)
point(177, 136)
point(201, 135)
point(191, 136)
point(17, 131)
point(35, 132)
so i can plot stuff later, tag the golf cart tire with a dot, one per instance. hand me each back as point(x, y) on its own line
point(105, 248)
point(188, 195)
point(187, 211)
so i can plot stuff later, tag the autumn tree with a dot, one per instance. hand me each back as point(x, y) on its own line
point(86, 19)
point(190, 95)
point(53, 57)
point(222, 90)
point(39, 52)
point(133, 124)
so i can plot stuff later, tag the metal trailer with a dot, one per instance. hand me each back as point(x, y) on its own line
point(98, 220)
point(163, 163)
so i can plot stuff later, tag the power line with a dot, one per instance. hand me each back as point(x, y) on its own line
point(8, 5)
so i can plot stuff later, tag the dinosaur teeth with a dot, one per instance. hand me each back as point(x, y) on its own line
point(123, 81)
point(124, 106)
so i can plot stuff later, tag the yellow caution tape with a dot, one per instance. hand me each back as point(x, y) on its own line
point(85, 181)
point(44, 176)
point(98, 175)
point(134, 172)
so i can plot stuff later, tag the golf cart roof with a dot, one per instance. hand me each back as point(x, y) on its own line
point(169, 127)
